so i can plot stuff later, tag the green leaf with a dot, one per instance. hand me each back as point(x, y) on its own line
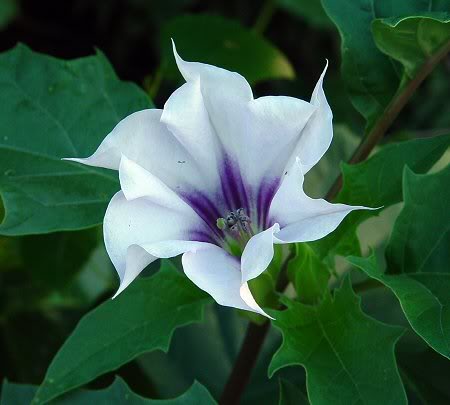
point(424, 299)
point(225, 43)
point(420, 238)
point(371, 89)
point(377, 182)
point(141, 319)
point(413, 40)
point(312, 11)
point(117, 393)
point(291, 395)
point(215, 341)
point(348, 356)
point(60, 109)
point(308, 274)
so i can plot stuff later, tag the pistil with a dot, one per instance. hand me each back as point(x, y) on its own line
point(237, 226)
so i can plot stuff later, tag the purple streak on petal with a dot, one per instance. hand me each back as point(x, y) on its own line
point(206, 210)
point(266, 193)
point(233, 187)
point(203, 236)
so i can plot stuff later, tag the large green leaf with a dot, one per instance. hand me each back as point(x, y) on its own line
point(418, 255)
point(348, 357)
point(371, 89)
point(141, 319)
point(424, 299)
point(60, 109)
point(377, 182)
point(420, 239)
point(308, 274)
point(413, 40)
point(225, 43)
point(117, 393)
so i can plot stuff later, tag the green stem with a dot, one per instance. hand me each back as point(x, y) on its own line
point(251, 346)
point(389, 115)
point(264, 17)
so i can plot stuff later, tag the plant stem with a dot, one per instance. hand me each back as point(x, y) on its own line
point(246, 360)
point(264, 17)
point(253, 342)
point(389, 115)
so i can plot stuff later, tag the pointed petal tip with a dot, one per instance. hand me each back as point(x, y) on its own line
point(77, 160)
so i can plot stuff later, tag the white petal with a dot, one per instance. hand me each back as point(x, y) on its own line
point(316, 138)
point(272, 127)
point(302, 218)
point(246, 129)
point(136, 259)
point(136, 182)
point(258, 254)
point(145, 140)
point(218, 273)
point(129, 226)
point(186, 117)
point(213, 78)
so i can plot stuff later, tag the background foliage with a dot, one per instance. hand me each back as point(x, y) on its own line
point(366, 317)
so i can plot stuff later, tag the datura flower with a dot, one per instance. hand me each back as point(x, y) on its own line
point(216, 176)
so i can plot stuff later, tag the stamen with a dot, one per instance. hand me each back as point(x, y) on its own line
point(238, 224)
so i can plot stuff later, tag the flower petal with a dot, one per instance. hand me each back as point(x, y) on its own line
point(245, 128)
point(214, 79)
point(258, 253)
point(302, 218)
point(317, 135)
point(145, 140)
point(186, 117)
point(130, 226)
point(218, 273)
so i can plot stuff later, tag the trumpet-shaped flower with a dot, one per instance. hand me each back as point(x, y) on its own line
point(216, 176)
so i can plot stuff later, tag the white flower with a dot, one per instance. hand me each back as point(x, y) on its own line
point(218, 177)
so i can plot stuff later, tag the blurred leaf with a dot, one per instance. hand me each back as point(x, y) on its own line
point(348, 356)
point(52, 260)
point(428, 373)
point(225, 43)
point(311, 10)
point(308, 274)
point(117, 393)
point(420, 239)
point(322, 175)
point(424, 299)
point(60, 109)
point(377, 182)
point(371, 89)
point(96, 277)
point(9, 253)
point(291, 395)
point(412, 40)
point(141, 319)
point(8, 11)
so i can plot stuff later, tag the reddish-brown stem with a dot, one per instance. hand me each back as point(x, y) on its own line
point(389, 115)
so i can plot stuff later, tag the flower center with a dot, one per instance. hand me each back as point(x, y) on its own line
point(238, 230)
